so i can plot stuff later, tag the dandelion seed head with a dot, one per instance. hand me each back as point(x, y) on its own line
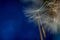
point(46, 16)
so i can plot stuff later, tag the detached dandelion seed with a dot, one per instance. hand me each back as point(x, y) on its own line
point(35, 15)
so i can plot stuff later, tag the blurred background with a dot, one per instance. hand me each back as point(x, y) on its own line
point(13, 25)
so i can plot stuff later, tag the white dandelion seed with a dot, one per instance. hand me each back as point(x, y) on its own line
point(49, 16)
point(35, 16)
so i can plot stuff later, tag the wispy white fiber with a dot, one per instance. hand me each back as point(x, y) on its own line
point(35, 15)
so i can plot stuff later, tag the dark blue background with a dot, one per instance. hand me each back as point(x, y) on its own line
point(13, 25)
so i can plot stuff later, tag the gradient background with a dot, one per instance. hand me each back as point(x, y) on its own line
point(13, 25)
